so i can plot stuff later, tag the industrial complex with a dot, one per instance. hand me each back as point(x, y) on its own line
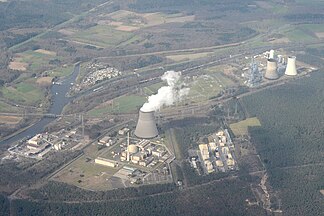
point(137, 152)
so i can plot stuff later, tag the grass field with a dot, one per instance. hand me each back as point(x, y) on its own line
point(35, 61)
point(86, 174)
point(61, 71)
point(189, 56)
point(241, 128)
point(10, 120)
point(102, 35)
point(25, 93)
point(123, 104)
point(207, 86)
point(152, 89)
point(300, 35)
point(4, 107)
point(124, 20)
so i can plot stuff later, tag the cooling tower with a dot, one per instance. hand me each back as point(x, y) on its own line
point(271, 55)
point(271, 71)
point(146, 127)
point(291, 66)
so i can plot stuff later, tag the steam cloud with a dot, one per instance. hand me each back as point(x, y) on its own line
point(167, 95)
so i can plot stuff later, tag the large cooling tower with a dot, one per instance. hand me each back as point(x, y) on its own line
point(271, 71)
point(291, 66)
point(146, 127)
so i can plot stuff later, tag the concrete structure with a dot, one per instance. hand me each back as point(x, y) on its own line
point(291, 66)
point(106, 162)
point(132, 149)
point(146, 126)
point(204, 151)
point(280, 58)
point(36, 140)
point(271, 71)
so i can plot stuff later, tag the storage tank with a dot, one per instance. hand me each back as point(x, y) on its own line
point(291, 66)
point(146, 126)
point(271, 71)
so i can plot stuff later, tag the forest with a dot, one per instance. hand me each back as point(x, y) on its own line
point(215, 198)
point(290, 141)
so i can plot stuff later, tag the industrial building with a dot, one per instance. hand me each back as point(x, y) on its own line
point(106, 162)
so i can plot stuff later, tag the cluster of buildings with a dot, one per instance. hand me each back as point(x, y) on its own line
point(217, 155)
point(41, 144)
point(141, 158)
point(96, 72)
point(143, 152)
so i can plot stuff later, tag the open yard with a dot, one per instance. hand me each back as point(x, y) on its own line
point(241, 128)
point(86, 174)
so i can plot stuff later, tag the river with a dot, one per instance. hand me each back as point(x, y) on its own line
point(59, 100)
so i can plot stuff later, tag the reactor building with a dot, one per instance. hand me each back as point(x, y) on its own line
point(146, 126)
point(271, 71)
point(291, 66)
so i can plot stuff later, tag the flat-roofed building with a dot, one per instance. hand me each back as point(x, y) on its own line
point(106, 162)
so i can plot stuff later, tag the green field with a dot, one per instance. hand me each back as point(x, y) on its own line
point(101, 35)
point(241, 128)
point(26, 93)
point(300, 35)
point(123, 104)
point(85, 173)
point(4, 107)
point(207, 86)
point(36, 61)
point(61, 71)
point(189, 56)
point(152, 89)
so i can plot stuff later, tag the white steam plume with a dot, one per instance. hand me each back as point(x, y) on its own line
point(167, 95)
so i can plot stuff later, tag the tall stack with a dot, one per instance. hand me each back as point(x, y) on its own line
point(291, 66)
point(271, 71)
point(146, 126)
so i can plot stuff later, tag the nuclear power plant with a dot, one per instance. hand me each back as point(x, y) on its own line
point(271, 71)
point(291, 66)
point(146, 126)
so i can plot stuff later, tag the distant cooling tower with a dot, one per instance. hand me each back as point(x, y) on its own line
point(271, 55)
point(291, 66)
point(271, 71)
point(146, 127)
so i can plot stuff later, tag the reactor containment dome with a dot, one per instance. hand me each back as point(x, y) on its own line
point(146, 126)
point(271, 71)
point(291, 66)
point(132, 149)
